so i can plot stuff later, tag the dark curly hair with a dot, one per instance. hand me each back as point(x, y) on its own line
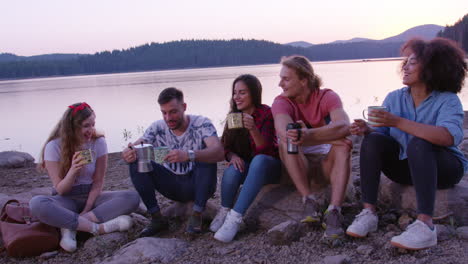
point(443, 66)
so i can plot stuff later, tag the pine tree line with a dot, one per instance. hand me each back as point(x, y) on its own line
point(191, 54)
point(457, 32)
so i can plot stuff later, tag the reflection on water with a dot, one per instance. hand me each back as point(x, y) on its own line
point(125, 103)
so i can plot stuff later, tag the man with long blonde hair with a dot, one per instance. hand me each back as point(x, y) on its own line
point(325, 126)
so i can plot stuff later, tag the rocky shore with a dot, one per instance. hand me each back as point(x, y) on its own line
point(289, 242)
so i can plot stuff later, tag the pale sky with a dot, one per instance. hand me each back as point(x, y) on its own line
point(32, 27)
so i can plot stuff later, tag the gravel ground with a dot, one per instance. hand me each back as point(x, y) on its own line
point(251, 245)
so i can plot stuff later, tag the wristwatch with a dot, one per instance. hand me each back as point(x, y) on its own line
point(191, 155)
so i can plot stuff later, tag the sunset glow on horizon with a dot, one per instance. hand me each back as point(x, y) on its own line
point(60, 26)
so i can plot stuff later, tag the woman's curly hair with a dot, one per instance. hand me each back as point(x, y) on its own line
point(443, 65)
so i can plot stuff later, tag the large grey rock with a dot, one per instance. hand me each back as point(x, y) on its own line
point(278, 203)
point(184, 210)
point(462, 232)
point(15, 159)
point(97, 246)
point(449, 202)
point(148, 250)
point(285, 233)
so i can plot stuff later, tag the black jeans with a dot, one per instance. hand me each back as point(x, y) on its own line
point(428, 168)
point(198, 185)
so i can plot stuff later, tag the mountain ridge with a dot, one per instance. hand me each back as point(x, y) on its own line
point(427, 31)
point(201, 53)
point(5, 57)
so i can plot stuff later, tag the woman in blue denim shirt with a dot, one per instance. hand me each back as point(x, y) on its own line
point(415, 140)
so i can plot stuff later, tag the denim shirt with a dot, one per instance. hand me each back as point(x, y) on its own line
point(438, 109)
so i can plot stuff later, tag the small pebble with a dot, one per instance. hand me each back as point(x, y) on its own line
point(48, 255)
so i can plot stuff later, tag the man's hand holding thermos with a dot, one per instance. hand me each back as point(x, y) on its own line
point(292, 147)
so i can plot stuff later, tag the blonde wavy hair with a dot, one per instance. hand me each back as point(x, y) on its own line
point(68, 130)
point(303, 70)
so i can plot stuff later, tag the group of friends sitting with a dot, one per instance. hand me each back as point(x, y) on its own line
point(413, 141)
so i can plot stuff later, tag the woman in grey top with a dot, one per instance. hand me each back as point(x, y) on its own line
point(78, 202)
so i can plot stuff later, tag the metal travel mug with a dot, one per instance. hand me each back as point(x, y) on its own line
point(292, 148)
point(144, 156)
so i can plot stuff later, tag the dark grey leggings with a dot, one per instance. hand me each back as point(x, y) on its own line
point(428, 167)
point(63, 210)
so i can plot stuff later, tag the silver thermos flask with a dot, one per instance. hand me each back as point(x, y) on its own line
point(145, 154)
point(292, 148)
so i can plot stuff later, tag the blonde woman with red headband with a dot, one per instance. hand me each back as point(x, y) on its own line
point(75, 158)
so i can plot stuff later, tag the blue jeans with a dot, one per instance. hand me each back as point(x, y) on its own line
point(263, 169)
point(198, 185)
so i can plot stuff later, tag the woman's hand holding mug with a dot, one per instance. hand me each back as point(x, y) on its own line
point(372, 119)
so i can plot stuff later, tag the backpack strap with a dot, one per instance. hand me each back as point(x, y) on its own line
point(3, 216)
point(3, 213)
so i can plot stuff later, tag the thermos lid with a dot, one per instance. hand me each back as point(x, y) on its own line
point(142, 146)
point(293, 126)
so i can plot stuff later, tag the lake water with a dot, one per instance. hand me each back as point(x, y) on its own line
point(30, 108)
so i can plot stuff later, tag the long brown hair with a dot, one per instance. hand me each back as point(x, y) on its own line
point(68, 131)
point(237, 140)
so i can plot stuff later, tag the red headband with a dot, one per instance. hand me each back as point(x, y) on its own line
point(78, 108)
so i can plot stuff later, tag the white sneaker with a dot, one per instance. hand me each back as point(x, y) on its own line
point(366, 221)
point(219, 219)
point(417, 236)
point(68, 240)
point(231, 225)
point(120, 223)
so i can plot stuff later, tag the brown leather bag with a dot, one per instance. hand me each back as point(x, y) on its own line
point(22, 234)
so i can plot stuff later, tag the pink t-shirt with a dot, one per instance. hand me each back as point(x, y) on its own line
point(315, 112)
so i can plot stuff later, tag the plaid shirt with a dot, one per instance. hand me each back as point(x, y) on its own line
point(264, 122)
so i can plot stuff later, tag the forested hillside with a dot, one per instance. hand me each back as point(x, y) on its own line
point(190, 54)
point(457, 32)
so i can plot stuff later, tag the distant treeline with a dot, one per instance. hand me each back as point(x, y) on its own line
point(457, 32)
point(188, 54)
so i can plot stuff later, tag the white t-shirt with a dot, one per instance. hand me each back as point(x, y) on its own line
point(199, 128)
point(98, 148)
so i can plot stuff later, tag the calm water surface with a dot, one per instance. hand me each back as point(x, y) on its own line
point(29, 109)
